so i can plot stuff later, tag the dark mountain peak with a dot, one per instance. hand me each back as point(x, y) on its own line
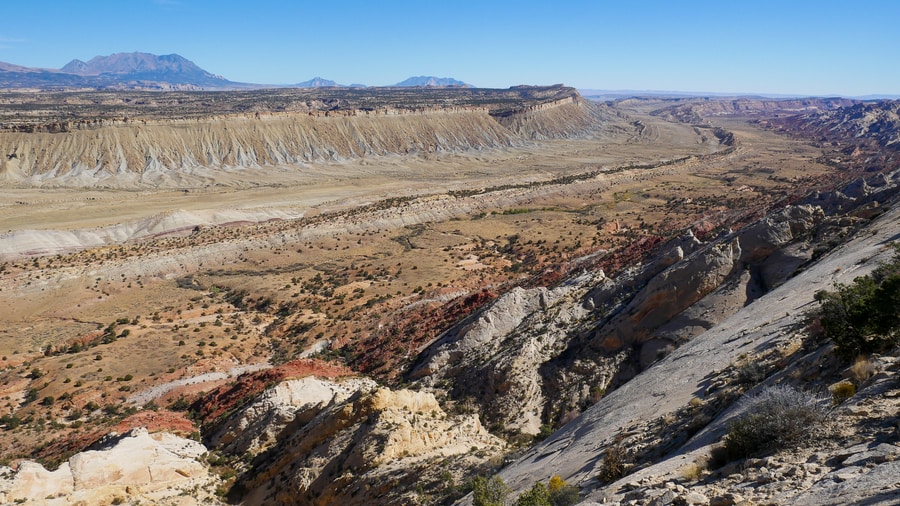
point(431, 81)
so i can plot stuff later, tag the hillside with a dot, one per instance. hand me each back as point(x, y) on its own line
point(670, 416)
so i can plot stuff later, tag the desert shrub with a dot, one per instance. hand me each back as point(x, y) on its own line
point(693, 471)
point(777, 417)
point(561, 493)
point(864, 317)
point(751, 373)
point(537, 496)
point(615, 463)
point(862, 368)
point(11, 421)
point(489, 491)
point(31, 395)
point(556, 493)
point(842, 391)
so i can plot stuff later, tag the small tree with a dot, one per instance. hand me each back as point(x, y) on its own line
point(537, 496)
point(561, 493)
point(489, 491)
point(864, 317)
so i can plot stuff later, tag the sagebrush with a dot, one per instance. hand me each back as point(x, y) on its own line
point(777, 417)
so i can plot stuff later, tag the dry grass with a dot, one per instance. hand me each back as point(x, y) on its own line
point(862, 369)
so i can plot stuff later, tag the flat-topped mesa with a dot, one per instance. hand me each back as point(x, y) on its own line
point(143, 138)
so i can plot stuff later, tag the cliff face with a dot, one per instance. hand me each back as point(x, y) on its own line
point(142, 152)
point(559, 118)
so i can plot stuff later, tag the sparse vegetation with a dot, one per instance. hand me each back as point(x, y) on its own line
point(842, 391)
point(863, 317)
point(777, 417)
point(371, 299)
point(491, 491)
point(616, 463)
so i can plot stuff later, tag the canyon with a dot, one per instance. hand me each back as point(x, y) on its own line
point(373, 296)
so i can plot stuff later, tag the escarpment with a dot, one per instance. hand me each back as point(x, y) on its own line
point(147, 151)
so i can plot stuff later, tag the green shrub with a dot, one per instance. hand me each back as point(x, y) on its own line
point(864, 317)
point(11, 421)
point(489, 491)
point(537, 496)
point(777, 417)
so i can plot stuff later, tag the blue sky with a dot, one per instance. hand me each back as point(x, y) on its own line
point(789, 46)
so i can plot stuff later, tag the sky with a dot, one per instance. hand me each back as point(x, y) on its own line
point(792, 47)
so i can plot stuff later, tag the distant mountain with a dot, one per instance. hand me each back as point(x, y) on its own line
point(120, 70)
point(170, 68)
point(17, 76)
point(318, 82)
point(438, 82)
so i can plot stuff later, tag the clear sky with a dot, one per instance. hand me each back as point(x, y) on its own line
point(804, 47)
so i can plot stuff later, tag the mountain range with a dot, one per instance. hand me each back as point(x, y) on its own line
point(149, 71)
point(433, 81)
point(118, 71)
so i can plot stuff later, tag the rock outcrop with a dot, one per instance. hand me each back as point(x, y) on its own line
point(134, 466)
point(256, 427)
point(495, 357)
point(535, 356)
point(315, 441)
point(643, 415)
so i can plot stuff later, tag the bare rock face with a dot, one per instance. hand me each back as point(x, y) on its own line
point(135, 461)
point(667, 294)
point(496, 355)
point(257, 426)
point(861, 472)
point(483, 335)
point(536, 355)
point(766, 236)
point(33, 481)
point(321, 442)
